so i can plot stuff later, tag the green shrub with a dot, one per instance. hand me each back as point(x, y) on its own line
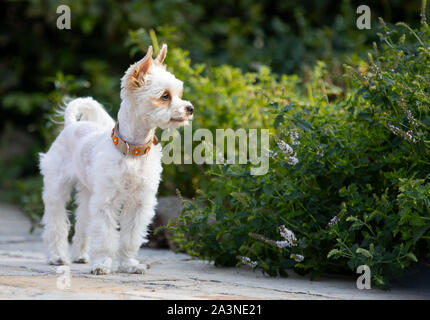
point(359, 193)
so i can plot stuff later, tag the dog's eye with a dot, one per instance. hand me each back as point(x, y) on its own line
point(165, 96)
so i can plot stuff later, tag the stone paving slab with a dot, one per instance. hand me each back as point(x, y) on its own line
point(24, 274)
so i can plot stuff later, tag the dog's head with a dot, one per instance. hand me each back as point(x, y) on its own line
point(153, 94)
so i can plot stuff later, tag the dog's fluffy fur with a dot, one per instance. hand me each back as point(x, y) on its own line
point(116, 194)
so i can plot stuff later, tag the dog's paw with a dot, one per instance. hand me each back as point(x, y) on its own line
point(132, 266)
point(81, 260)
point(100, 270)
point(101, 265)
point(139, 269)
point(58, 261)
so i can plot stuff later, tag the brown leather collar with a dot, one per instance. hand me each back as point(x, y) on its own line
point(128, 148)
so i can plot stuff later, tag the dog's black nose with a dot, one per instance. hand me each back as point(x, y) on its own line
point(190, 109)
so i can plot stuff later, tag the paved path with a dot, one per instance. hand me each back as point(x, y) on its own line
point(24, 274)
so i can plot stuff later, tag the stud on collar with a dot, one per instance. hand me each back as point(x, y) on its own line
point(126, 148)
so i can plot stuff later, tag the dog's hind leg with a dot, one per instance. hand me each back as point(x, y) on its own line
point(56, 193)
point(81, 239)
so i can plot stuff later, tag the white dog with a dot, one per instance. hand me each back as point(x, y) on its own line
point(115, 168)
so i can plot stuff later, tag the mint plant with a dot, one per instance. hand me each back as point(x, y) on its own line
point(349, 178)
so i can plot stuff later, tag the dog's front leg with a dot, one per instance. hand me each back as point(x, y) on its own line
point(134, 227)
point(103, 233)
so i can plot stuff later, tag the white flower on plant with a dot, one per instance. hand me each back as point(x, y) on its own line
point(399, 132)
point(285, 147)
point(289, 238)
point(410, 137)
point(270, 153)
point(411, 118)
point(408, 112)
point(297, 257)
point(292, 160)
point(247, 261)
point(294, 135)
point(288, 235)
point(333, 221)
point(282, 244)
point(320, 151)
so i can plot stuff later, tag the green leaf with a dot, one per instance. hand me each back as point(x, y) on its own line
point(288, 107)
point(364, 252)
point(278, 120)
point(303, 124)
point(411, 257)
point(242, 197)
point(334, 253)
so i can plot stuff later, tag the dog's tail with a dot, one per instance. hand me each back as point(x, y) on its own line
point(85, 109)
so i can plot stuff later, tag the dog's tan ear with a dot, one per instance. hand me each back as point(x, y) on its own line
point(142, 68)
point(162, 55)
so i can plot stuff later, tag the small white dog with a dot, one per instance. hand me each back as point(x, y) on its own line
point(115, 168)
